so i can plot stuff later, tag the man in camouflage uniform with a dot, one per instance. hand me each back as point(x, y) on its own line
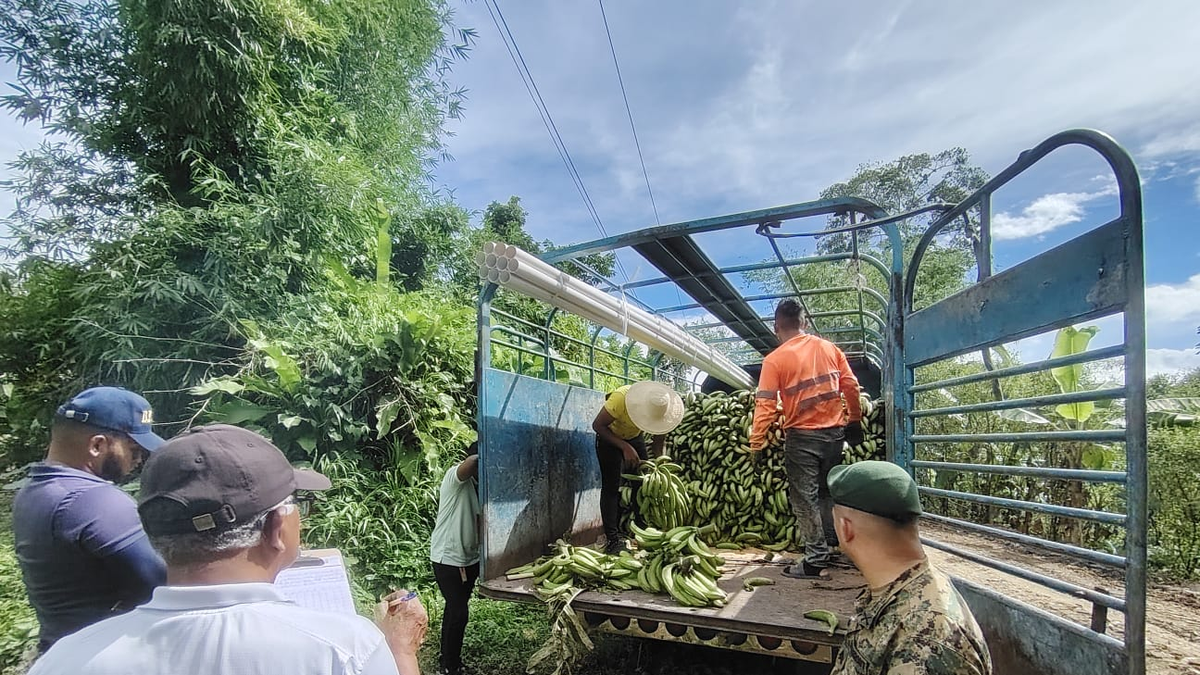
point(911, 620)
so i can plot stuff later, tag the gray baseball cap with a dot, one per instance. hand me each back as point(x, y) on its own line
point(214, 478)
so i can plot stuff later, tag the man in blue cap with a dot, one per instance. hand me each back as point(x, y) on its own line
point(81, 547)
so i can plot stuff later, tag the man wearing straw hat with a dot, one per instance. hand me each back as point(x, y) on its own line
point(629, 413)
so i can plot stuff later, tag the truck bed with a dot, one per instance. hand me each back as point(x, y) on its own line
point(769, 619)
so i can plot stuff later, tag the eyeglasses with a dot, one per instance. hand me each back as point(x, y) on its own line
point(303, 502)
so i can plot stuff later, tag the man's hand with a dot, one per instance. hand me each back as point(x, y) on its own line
point(631, 456)
point(756, 458)
point(403, 621)
point(854, 433)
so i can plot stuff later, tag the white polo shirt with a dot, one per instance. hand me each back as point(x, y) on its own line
point(242, 629)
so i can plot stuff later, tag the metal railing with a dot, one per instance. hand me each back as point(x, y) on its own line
point(1097, 274)
point(860, 331)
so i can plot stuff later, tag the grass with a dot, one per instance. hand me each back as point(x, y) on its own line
point(18, 625)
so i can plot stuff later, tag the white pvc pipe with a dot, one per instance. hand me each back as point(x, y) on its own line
point(643, 327)
point(533, 277)
point(522, 287)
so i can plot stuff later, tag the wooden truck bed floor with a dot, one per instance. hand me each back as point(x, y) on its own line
point(768, 611)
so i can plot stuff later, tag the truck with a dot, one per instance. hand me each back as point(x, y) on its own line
point(539, 479)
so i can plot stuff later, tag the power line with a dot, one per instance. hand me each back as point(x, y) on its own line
point(518, 59)
point(633, 127)
point(629, 112)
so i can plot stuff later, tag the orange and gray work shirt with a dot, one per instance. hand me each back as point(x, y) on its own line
point(810, 375)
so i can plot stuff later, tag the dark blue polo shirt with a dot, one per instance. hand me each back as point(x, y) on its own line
point(82, 550)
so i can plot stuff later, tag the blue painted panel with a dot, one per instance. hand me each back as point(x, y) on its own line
point(1081, 279)
point(539, 479)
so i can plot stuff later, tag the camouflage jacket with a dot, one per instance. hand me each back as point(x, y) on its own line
point(916, 625)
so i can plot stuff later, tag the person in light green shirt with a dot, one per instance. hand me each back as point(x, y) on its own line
point(629, 414)
point(454, 551)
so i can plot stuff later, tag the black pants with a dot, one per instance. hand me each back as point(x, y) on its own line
point(612, 465)
point(809, 454)
point(456, 584)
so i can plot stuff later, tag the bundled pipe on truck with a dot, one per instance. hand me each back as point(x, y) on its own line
point(523, 273)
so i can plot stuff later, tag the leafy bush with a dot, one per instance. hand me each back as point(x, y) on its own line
point(18, 625)
point(1174, 536)
point(381, 520)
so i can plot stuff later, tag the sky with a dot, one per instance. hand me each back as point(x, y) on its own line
point(741, 106)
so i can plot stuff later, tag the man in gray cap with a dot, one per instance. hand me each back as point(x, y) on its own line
point(910, 620)
point(219, 505)
point(81, 548)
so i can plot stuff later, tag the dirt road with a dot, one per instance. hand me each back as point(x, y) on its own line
point(1172, 615)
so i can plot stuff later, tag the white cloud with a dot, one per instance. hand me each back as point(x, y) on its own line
point(1173, 303)
point(1171, 361)
point(1044, 214)
point(1173, 142)
point(732, 118)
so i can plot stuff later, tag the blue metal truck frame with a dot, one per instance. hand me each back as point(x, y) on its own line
point(538, 477)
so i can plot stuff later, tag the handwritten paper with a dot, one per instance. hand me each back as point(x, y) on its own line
point(324, 587)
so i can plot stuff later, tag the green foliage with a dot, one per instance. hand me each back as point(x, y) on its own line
point(436, 247)
point(18, 625)
point(36, 355)
point(360, 371)
point(1174, 457)
point(901, 185)
point(224, 236)
point(1068, 342)
point(382, 519)
point(908, 183)
point(1064, 454)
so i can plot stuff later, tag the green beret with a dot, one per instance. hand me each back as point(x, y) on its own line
point(881, 488)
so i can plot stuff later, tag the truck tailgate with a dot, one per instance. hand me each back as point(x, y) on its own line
point(775, 612)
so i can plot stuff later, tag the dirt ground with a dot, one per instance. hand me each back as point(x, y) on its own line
point(1172, 614)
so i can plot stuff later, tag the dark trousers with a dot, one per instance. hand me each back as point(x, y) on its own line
point(612, 465)
point(456, 584)
point(809, 454)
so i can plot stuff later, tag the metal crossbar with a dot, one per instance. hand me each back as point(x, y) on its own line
point(1058, 547)
point(1051, 509)
point(1102, 599)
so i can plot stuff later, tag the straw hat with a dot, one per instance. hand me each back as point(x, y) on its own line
point(654, 407)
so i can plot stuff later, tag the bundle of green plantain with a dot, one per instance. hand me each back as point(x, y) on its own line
point(873, 445)
point(663, 499)
point(571, 568)
point(675, 562)
point(679, 563)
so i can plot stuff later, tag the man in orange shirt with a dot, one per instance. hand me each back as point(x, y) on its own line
point(810, 375)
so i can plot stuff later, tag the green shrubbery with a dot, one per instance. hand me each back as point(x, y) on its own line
point(1175, 500)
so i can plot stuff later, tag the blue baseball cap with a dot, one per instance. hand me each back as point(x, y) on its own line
point(115, 409)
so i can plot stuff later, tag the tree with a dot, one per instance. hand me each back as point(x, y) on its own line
point(898, 186)
point(178, 206)
point(908, 183)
